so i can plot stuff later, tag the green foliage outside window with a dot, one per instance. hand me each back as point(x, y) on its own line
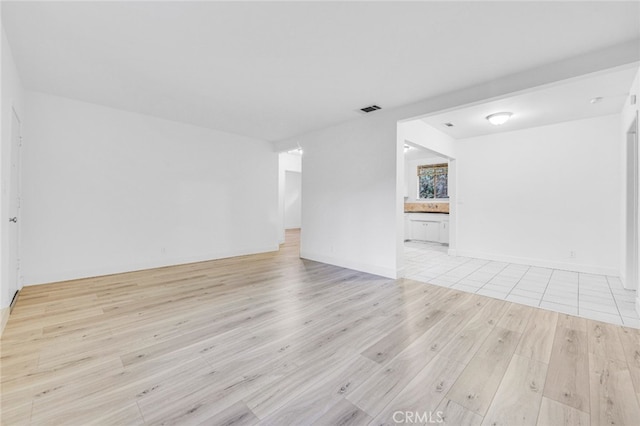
point(433, 181)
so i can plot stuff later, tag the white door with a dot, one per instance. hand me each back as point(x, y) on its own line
point(14, 207)
point(407, 228)
point(425, 231)
point(418, 230)
point(432, 230)
point(444, 232)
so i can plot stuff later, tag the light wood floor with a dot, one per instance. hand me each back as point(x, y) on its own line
point(276, 340)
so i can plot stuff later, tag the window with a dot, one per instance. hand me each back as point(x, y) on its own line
point(433, 181)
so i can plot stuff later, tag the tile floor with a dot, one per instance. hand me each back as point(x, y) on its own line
point(597, 297)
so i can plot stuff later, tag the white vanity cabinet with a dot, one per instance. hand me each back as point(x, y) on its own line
point(425, 230)
point(407, 227)
point(432, 227)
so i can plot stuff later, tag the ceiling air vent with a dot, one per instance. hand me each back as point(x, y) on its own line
point(369, 109)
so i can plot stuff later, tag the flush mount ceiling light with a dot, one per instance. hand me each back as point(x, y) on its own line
point(499, 118)
point(596, 100)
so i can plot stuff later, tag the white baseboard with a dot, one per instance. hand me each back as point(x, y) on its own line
point(543, 263)
point(4, 317)
point(57, 276)
point(623, 278)
point(351, 264)
point(638, 305)
point(627, 285)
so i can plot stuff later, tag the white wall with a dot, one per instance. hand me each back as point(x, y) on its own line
point(420, 133)
point(12, 95)
point(377, 141)
point(292, 200)
point(108, 191)
point(353, 186)
point(535, 195)
point(349, 196)
point(629, 113)
point(286, 162)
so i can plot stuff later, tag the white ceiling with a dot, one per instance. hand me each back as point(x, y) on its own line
point(559, 102)
point(274, 70)
point(417, 152)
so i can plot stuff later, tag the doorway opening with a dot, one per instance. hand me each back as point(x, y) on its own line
point(290, 196)
point(426, 197)
point(426, 194)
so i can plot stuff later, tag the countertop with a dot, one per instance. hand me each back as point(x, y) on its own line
point(447, 213)
point(426, 207)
